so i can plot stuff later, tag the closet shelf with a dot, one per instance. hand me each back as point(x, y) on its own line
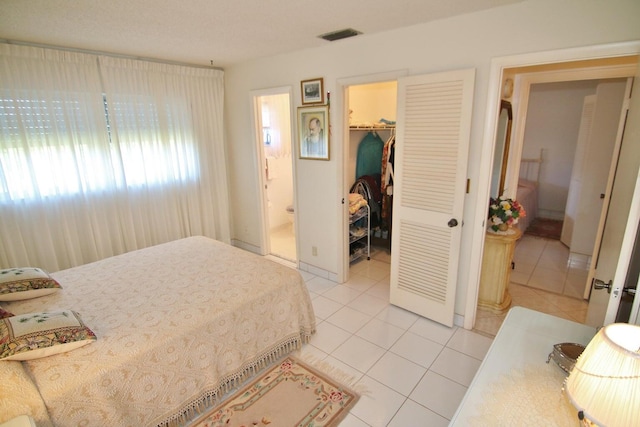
point(371, 127)
point(360, 213)
point(359, 230)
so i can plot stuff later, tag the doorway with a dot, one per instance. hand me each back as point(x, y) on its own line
point(272, 113)
point(372, 117)
point(570, 181)
point(549, 78)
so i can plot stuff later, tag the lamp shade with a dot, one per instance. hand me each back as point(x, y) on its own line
point(605, 381)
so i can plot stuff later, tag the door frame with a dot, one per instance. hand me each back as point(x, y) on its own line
point(498, 65)
point(523, 90)
point(628, 242)
point(342, 88)
point(265, 248)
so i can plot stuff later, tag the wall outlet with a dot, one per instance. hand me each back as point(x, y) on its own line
point(314, 251)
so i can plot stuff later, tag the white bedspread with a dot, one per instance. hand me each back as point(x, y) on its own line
point(176, 323)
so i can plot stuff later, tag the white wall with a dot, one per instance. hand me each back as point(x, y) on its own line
point(371, 102)
point(553, 121)
point(367, 105)
point(468, 41)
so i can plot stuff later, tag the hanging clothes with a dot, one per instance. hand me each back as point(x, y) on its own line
point(369, 155)
point(386, 180)
point(388, 154)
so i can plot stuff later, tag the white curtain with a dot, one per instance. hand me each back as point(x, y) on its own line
point(101, 155)
point(276, 107)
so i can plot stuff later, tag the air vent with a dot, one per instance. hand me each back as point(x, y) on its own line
point(340, 34)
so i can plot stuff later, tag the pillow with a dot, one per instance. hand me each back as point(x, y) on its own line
point(35, 335)
point(25, 283)
point(4, 313)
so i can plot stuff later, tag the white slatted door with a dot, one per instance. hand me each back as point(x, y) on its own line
point(434, 122)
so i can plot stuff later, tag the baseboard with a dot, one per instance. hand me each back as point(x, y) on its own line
point(549, 214)
point(317, 271)
point(458, 320)
point(246, 246)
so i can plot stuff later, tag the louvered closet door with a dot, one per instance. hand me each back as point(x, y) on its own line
point(434, 120)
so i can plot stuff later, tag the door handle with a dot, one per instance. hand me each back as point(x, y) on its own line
point(452, 222)
point(599, 284)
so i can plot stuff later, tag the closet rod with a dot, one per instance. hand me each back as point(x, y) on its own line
point(115, 55)
point(360, 127)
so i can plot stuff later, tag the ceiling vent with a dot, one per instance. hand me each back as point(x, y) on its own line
point(340, 34)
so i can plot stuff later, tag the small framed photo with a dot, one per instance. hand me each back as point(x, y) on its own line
point(312, 91)
point(313, 132)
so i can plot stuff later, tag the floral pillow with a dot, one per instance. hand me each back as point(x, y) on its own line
point(35, 335)
point(25, 283)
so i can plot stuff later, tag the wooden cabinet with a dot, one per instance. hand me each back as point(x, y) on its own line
point(496, 270)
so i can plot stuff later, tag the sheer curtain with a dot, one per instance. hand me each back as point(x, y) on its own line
point(101, 156)
point(279, 113)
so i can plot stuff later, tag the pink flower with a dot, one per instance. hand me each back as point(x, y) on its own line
point(286, 365)
point(335, 396)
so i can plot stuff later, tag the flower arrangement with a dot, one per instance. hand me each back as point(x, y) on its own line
point(504, 212)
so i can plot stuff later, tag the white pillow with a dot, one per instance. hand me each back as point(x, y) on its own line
point(25, 283)
point(35, 335)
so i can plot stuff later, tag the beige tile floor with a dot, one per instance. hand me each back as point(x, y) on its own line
point(283, 242)
point(547, 265)
point(544, 279)
point(416, 371)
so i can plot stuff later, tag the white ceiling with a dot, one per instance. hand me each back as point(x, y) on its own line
point(222, 32)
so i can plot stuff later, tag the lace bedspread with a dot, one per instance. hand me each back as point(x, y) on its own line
point(177, 324)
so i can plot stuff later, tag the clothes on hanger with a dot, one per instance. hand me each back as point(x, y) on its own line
point(388, 154)
point(369, 156)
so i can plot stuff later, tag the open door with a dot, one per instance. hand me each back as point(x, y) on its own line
point(432, 139)
point(274, 148)
point(610, 260)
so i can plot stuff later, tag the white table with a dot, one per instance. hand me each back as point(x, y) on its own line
point(516, 364)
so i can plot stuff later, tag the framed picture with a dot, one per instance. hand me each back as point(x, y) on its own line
point(312, 91)
point(313, 132)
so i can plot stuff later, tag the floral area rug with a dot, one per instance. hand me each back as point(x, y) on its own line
point(288, 394)
point(547, 228)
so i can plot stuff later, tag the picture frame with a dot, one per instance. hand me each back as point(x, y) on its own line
point(312, 91)
point(313, 132)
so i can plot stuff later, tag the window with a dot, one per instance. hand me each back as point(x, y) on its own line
point(54, 147)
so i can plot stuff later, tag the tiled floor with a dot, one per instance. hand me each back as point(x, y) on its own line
point(547, 265)
point(544, 279)
point(415, 371)
point(283, 242)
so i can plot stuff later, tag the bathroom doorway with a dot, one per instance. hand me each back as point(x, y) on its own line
point(272, 113)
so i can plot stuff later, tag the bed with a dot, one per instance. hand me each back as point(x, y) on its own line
point(527, 191)
point(177, 326)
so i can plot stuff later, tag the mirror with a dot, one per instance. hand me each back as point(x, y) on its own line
point(501, 153)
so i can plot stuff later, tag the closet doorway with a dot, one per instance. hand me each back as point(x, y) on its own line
point(273, 135)
point(372, 110)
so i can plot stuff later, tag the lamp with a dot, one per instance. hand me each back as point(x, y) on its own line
point(604, 384)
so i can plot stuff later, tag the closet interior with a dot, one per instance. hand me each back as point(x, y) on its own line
point(372, 115)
